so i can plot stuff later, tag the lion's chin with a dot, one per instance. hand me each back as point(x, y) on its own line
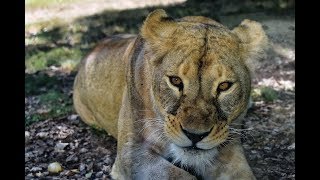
point(197, 158)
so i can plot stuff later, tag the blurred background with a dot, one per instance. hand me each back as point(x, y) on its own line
point(59, 33)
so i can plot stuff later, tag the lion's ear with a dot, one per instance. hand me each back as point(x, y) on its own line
point(254, 40)
point(157, 30)
point(157, 25)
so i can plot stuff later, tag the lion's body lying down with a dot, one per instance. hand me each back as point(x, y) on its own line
point(170, 95)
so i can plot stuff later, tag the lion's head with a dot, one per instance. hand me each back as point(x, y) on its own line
point(201, 77)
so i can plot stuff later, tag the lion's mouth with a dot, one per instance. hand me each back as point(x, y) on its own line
point(193, 147)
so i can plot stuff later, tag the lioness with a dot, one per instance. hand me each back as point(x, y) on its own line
point(171, 95)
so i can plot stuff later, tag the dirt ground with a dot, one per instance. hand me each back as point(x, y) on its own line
point(269, 142)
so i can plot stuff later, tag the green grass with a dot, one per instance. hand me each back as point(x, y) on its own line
point(49, 92)
point(266, 94)
point(32, 119)
point(58, 56)
point(58, 105)
point(36, 84)
point(98, 131)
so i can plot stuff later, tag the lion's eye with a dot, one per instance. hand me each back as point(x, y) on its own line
point(176, 81)
point(224, 86)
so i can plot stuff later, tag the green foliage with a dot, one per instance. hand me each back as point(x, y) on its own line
point(266, 94)
point(36, 62)
point(48, 90)
point(41, 60)
point(51, 97)
point(36, 84)
point(97, 131)
point(58, 104)
point(269, 94)
point(32, 119)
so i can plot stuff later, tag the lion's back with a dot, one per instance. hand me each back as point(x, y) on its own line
point(100, 82)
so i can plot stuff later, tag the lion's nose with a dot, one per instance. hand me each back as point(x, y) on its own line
point(195, 137)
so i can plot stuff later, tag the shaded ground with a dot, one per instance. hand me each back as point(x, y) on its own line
point(55, 133)
point(71, 10)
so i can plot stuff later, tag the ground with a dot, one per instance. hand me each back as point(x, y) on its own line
point(56, 43)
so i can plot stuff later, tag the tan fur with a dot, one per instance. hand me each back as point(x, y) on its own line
point(124, 87)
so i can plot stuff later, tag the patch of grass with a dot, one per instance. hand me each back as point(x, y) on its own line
point(269, 94)
point(98, 131)
point(36, 62)
point(57, 103)
point(69, 65)
point(44, 26)
point(57, 56)
point(32, 119)
point(53, 103)
point(51, 97)
point(266, 94)
point(36, 41)
point(36, 84)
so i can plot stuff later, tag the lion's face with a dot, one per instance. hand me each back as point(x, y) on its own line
point(201, 86)
point(201, 82)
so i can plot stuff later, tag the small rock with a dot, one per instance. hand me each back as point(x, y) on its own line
point(99, 174)
point(292, 146)
point(72, 157)
point(39, 174)
point(107, 159)
point(54, 167)
point(42, 134)
point(76, 144)
point(69, 173)
point(82, 167)
point(278, 60)
point(88, 175)
point(26, 134)
point(99, 164)
point(75, 170)
point(73, 117)
point(40, 151)
point(30, 175)
point(90, 165)
point(50, 142)
point(60, 146)
point(28, 156)
point(43, 111)
point(35, 169)
point(267, 148)
point(106, 169)
point(64, 173)
point(83, 150)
